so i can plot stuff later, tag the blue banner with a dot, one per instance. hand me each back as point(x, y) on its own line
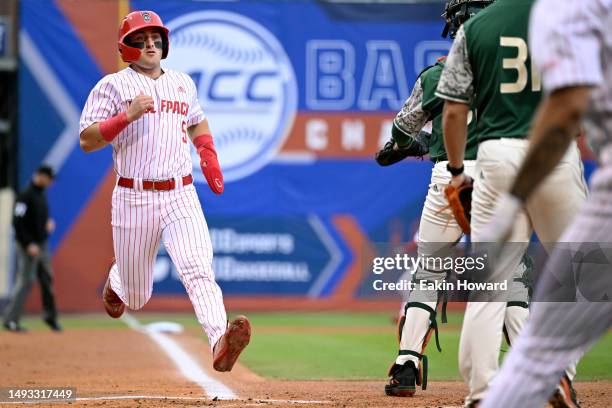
point(299, 97)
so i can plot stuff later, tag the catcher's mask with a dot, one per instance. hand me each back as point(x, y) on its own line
point(457, 12)
point(135, 21)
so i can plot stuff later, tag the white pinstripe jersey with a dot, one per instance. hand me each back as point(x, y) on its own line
point(571, 44)
point(156, 146)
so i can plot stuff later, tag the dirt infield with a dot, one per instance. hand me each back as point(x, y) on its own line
point(124, 368)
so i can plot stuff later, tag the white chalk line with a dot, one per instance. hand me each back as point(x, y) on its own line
point(192, 371)
point(183, 361)
point(243, 402)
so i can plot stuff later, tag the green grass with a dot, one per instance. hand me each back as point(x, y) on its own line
point(284, 319)
point(324, 355)
point(307, 356)
point(332, 345)
point(597, 363)
point(283, 348)
point(333, 356)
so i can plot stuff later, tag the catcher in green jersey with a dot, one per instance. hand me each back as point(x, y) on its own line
point(489, 68)
point(438, 230)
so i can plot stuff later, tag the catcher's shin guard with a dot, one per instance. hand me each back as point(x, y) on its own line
point(433, 324)
point(417, 375)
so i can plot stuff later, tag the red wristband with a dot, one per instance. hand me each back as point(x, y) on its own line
point(110, 128)
point(200, 141)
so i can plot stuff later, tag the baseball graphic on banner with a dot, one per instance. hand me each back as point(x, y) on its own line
point(246, 86)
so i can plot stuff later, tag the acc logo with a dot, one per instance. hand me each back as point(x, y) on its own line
point(246, 86)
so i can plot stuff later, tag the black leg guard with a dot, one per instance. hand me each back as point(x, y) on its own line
point(421, 378)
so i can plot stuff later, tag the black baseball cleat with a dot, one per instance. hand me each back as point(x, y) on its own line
point(565, 395)
point(13, 326)
point(53, 325)
point(403, 380)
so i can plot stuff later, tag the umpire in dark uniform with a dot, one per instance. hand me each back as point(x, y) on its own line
point(32, 228)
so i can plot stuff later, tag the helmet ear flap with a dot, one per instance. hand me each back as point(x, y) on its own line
point(128, 54)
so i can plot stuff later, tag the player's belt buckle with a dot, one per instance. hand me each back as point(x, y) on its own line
point(163, 185)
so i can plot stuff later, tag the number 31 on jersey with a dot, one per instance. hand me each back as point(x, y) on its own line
point(519, 64)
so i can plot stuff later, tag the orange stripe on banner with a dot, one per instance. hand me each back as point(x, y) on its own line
point(123, 10)
point(96, 26)
point(362, 251)
point(339, 135)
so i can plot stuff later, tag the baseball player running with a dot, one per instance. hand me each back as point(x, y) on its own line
point(572, 47)
point(489, 67)
point(148, 115)
point(438, 230)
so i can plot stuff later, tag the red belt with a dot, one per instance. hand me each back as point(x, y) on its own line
point(155, 185)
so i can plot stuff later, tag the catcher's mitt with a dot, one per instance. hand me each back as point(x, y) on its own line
point(460, 203)
point(417, 148)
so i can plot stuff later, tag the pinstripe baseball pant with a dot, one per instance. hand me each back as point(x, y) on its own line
point(559, 333)
point(141, 219)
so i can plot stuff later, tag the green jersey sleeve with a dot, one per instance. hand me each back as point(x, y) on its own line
point(457, 79)
point(411, 119)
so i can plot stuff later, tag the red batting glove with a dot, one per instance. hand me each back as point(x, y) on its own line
point(209, 162)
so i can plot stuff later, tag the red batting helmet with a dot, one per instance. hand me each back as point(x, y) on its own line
point(138, 20)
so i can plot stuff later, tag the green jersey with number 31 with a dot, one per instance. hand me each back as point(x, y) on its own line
point(504, 86)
